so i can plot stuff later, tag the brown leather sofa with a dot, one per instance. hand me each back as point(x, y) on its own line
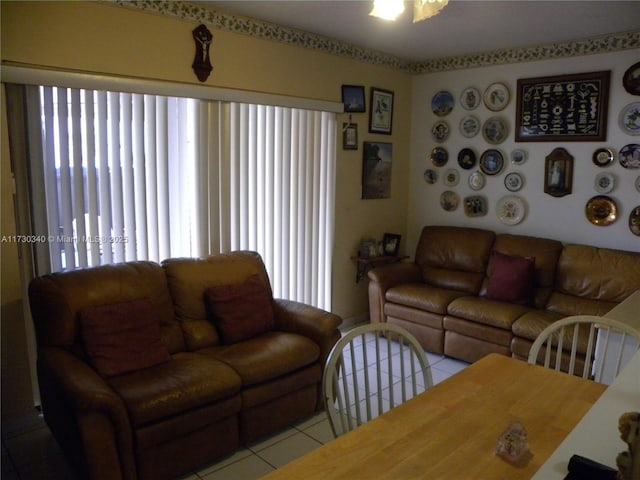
point(442, 297)
point(195, 396)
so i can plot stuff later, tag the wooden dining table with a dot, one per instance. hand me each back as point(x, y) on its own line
point(451, 430)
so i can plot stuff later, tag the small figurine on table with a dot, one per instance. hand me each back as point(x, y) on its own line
point(628, 462)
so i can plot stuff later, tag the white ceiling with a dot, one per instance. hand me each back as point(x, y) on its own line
point(463, 27)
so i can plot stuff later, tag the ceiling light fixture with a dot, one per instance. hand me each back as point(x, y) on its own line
point(422, 9)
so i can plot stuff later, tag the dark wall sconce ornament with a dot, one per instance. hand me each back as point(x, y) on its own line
point(558, 173)
point(201, 63)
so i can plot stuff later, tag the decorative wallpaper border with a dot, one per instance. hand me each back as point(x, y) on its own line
point(269, 31)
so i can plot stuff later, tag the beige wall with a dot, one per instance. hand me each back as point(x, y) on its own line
point(107, 39)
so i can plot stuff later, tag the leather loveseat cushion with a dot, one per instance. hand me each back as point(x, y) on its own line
point(241, 310)
point(511, 279)
point(267, 357)
point(123, 337)
point(188, 381)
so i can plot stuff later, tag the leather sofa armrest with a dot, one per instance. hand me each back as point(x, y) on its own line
point(70, 386)
point(317, 324)
point(395, 274)
point(382, 279)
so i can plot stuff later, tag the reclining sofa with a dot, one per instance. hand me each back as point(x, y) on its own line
point(470, 292)
point(148, 371)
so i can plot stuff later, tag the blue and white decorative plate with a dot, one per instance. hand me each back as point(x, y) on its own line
point(442, 103)
point(629, 119)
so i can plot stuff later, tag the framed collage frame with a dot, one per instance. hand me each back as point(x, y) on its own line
point(563, 108)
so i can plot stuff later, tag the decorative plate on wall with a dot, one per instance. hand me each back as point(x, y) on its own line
point(631, 79)
point(475, 206)
point(451, 177)
point(605, 182)
point(638, 183)
point(513, 181)
point(469, 126)
point(601, 210)
point(467, 158)
point(511, 209)
point(629, 119)
point(439, 156)
point(491, 162)
point(495, 130)
point(430, 176)
point(634, 221)
point(629, 156)
point(470, 98)
point(442, 103)
point(449, 200)
point(476, 181)
point(496, 97)
point(603, 157)
point(518, 156)
point(440, 131)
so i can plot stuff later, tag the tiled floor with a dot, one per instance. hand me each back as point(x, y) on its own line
point(30, 453)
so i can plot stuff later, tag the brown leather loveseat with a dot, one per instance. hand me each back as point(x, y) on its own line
point(148, 371)
point(470, 292)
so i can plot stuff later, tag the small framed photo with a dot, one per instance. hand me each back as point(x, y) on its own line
point(349, 136)
point(353, 98)
point(391, 244)
point(381, 111)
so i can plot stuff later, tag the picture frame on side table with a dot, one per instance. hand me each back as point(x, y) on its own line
point(349, 136)
point(391, 244)
point(381, 111)
point(353, 98)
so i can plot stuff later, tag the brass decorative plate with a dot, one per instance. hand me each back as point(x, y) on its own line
point(601, 210)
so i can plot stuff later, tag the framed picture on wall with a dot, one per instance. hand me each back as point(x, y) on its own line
point(563, 108)
point(381, 111)
point(376, 170)
point(349, 136)
point(353, 98)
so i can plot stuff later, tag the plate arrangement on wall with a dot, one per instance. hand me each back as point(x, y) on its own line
point(470, 98)
point(601, 210)
point(467, 158)
point(475, 206)
point(449, 200)
point(634, 221)
point(511, 209)
point(629, 119)
point(440, 131)
point(495, 130)
point(603, 157)
point(605, 182)
point(442, 103)
point(513, 181)
point(491, 162)
point(496, 97)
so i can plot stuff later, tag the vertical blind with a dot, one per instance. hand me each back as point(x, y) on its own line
point(118, 176)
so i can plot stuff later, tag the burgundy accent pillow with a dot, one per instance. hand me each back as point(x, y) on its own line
point(123, 337)
point(241, 310)
point(511, 279)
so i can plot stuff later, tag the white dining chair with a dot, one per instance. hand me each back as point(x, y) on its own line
point(594, 344)
point(371, 370)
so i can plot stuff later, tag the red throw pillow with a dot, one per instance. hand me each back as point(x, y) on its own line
point(123, 337)
point(511, 279)
point(241, 310)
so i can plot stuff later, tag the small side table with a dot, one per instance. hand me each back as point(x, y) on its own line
point(365, 264)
